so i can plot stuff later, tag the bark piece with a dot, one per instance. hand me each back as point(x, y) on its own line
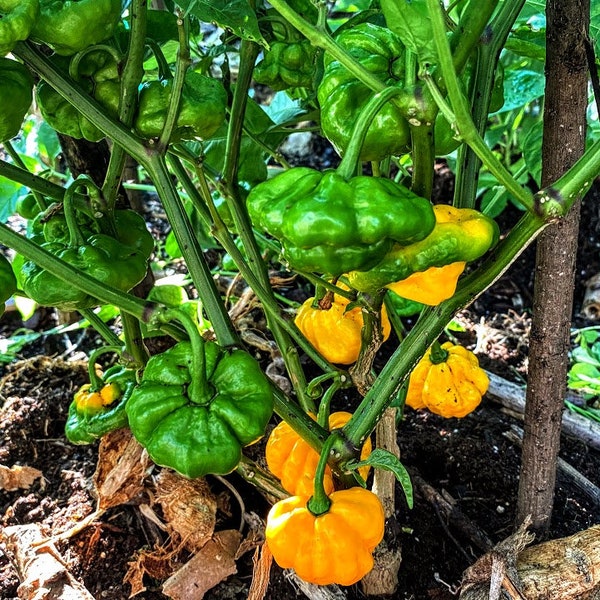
point(17, 477)
point(41, 569)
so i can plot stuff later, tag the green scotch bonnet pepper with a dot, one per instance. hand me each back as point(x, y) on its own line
point(197, 405)
point(17, 18)
point(16, 94)
point(329, 225)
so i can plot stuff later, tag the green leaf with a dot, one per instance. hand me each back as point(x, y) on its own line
point(409, 20)
point(382, 459)
point(235, 15)
point(170, 295)
point(9, 194)
point(521, 86)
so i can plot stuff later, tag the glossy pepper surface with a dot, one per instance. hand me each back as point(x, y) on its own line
point(432, 286)
point(341, 94)
point(449, 382)
point(287, 65)
point(99, 256)
point(203, 431)
point(69, 26)
point(201, 109)
point(335, 332)
point(99, 76)
point(294, 462)
point(16, 94)
point(460, 235)
point(95, 412)
point(17, 18)
point(334, 547)
point(329, 225)
point(8, 282)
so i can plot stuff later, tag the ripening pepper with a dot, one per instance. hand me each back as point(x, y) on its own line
point(69, 26)
point(99, 256)
point(194, 409)
point(448, 381)
point(329, 225)
point(294, 462)
point(201, 109)
point(333, 547)
point(335, 332)
point(17, 18)
point(8, 282)
point(96, 410)
point(287, 65)
point(459, 235)
point(16, 94)
point(432, 286)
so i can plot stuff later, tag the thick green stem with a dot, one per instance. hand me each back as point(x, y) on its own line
point(10, 150)
point(33, 182)
point(347, 168)
point(76, 238)
point(423, 157)
point(462, 115)
point(134, 341)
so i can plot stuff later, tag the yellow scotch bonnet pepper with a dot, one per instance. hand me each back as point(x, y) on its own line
point(448, 381)
point(333, 547)
point(336, 332)
point(294, 462)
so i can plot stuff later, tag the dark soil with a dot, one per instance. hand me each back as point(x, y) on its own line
point(469, 460)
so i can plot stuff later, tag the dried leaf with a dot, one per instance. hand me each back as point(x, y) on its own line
point(261, 572)
point(17, 477)
point(122, 464)
point(213, 563)
point(189, 508)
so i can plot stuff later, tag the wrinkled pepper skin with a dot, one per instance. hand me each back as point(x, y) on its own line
point(16, 95)
point(336, 332)
point(451, 388)
point(98, 74)
point(432, 286)
point(198, 439)
point(329, 225)
point(341, 95)
point(8, 282)
point(460, 235)
point(69, 26)
point(294, 462)
point(287, 65)
point(201, 110)
point(102, 257)
point(93, 414)
point(334, 547)
point(17, 18)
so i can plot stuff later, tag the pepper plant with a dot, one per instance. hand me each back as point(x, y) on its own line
point(392, 88)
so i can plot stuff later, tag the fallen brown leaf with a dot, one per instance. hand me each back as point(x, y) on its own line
point(17, 477)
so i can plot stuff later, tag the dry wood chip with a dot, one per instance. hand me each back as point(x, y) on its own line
point(189, 508)
point(17, 477)
point(122, 465)
point(41, 569)
point(210, 566)
point(261, 572)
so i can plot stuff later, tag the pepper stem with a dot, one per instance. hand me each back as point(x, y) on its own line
point(198, 391)
point(437, 354)
point(76, 237)
point(97, 383)
point(319, 502)
point(347, 167)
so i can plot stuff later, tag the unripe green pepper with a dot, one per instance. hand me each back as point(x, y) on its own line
point(8, 282)
point(16, 94)
point(17, 18)
point(201, 109)
point(341, 95)
point(460, 234)
point(99, 407)
point(69, 26)
point(287, 65)
point(198, 404)
point(329, 225)
point(27, 206)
